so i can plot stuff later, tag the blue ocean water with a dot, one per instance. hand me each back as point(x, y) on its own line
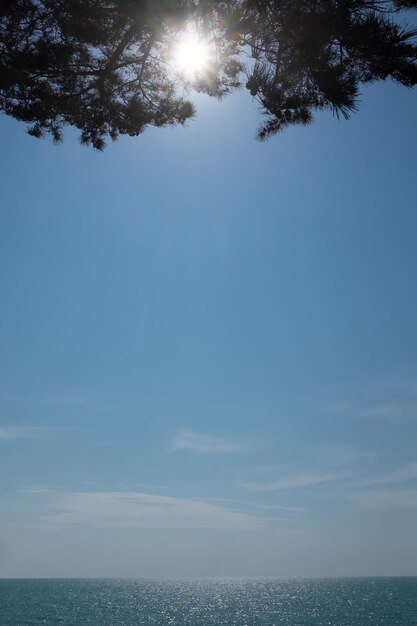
point(209, 602)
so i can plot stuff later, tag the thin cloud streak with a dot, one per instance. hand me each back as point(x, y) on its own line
point(390, 402)
point(266, 507)
point(385, 499)
point(276, 507)
point(10, 433)
point(141, 510)
point(388, 412)
point(203, 444)
point(403, 474)
point(293, 482)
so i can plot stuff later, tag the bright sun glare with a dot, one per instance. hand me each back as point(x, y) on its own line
point(191, 55)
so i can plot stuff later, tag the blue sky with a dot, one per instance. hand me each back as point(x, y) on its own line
point(208, 348)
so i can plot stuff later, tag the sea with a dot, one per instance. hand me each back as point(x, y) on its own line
point(209, 602)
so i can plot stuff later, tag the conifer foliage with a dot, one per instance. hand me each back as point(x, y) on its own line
point(104, 66)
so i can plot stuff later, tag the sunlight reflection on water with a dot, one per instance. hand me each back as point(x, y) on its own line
point(210, 602)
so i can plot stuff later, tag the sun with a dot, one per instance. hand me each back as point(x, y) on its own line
point(191, 55)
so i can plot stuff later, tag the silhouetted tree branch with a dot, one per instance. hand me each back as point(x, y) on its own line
point(104, 66)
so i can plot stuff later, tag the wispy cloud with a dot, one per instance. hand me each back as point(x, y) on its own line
point(277, 507)
point(254, 505)
point(204, 444)
point(389, 413)
point(406, 386)
point(141, 510)
point(294, 481)
point(403, 474)
point(8, 433)
point(390, 402)
point(395, 497)
point(385, 499)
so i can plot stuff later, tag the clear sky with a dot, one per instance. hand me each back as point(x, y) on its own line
point(208, 348)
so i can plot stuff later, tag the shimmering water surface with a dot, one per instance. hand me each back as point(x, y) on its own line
point(336, 602)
